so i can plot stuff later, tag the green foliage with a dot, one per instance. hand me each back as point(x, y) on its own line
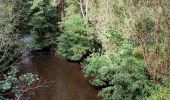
point(73, 42)
point(137, 52)
point(43, 23)
point(71, 7)
point(6, 17)
point(9, 82)
point(37, 18)
point(28, 78)
point(121, 74)
point(74, 24)
point(19, 17)
point(120, 70)
point(10, 45)
point(162, 93)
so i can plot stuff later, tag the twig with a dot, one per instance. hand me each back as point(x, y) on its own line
point(10, 65)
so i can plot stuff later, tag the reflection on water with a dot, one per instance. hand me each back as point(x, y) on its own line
point(69, 84)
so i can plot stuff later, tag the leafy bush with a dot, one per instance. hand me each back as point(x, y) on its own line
point(43, 23)
point(28, 78)
point(121, 75)
point(10, 45)
point(163, 93)
point(73, 42)
point(8, 83)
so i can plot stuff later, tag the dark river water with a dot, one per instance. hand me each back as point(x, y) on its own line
point(69, 82)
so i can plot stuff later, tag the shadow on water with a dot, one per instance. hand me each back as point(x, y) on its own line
point(70, 84)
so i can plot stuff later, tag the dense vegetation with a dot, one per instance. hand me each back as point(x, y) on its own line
point(74, 42)
point(124, 44)
point(134, 60)
point(122, 75)
point(20, 18)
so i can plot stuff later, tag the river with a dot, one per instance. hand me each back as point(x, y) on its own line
point(69, 82)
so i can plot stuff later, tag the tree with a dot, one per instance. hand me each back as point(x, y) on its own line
point(73, 43)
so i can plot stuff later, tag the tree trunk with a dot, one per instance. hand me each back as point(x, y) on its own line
point(60, 9)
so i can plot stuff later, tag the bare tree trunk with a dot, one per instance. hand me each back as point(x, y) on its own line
point(60, 9)
point(87, 6)
point(82, 11)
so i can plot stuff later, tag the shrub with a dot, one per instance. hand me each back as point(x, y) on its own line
point(8, 83)
point(73, 42)
point(121, 75)
point(42, 24)
point(163, 93)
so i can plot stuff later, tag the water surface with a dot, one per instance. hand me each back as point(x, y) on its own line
point(70, 84)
